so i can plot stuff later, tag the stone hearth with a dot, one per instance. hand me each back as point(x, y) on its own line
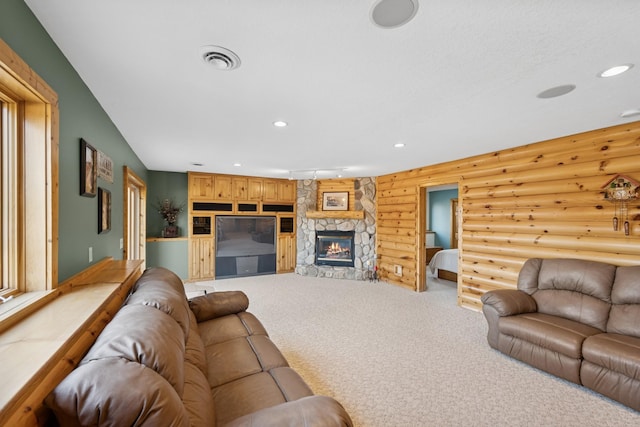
point(364, 232)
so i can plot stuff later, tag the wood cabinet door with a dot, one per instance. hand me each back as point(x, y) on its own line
point(240, 191)
point(287, 191)
point(254, 190)
point(222, 188)
point(270, 190)
point(194, 259)
point(206, 258)
point(200, 186)
point(286, 254)
point(201, 261)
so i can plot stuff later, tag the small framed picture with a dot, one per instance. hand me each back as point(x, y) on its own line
point(88, 169)
point(104, 210)
point(338, 201)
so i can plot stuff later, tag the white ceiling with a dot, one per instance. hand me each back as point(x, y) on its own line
point(459, 79)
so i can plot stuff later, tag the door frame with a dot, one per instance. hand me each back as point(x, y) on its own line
point(134, 220)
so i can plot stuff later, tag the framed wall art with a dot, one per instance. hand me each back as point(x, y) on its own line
point(88, 169)
point(336, 201)
point(105, 167)
point(104, 210)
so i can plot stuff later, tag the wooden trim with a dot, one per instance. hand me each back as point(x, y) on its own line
point(38, 135)
point(167, 239)
point(336, 214)
point(131, 179)
point(29, 79)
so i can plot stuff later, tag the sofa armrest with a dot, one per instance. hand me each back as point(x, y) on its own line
point(311, 411)
point(218, 304)
point(509, 302)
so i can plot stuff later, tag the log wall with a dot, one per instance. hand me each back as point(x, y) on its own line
point(538, 200)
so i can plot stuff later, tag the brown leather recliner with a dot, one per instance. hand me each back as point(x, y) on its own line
point(576, 319)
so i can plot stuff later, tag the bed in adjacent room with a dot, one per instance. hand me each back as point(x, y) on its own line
point(446, 264)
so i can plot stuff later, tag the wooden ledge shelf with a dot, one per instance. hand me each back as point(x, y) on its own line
point(336, 214)
point(167, 239)
point(41, 348)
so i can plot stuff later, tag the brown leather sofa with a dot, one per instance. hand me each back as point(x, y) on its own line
point(166, 361)
point(576, 319)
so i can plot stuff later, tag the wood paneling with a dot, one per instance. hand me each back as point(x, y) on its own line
point(538, 200)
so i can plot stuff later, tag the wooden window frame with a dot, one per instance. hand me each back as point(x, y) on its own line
point(28, 178)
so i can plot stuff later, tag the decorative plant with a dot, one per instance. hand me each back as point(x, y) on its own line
point(169, 211)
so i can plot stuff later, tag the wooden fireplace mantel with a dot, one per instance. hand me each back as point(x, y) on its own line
point(336, 214)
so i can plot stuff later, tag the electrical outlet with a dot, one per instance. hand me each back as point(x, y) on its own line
point(90, 254)
point(397, 270)
point(121, 243)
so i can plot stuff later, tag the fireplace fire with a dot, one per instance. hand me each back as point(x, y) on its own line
point(335, 248)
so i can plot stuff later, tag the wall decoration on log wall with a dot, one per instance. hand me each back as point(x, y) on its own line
point(620, 191)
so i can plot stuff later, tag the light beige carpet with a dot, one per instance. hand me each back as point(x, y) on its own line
point(394, 357)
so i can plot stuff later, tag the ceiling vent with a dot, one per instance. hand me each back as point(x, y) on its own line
point(219, 57)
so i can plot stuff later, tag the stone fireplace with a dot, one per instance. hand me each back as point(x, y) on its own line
point(363, 252)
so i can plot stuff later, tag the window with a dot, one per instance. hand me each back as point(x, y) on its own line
point(28, 178)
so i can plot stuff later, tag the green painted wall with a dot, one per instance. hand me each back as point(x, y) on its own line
point(171, 254)
point(166, 185)
point(81, 116)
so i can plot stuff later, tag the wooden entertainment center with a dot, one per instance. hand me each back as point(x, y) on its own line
point(212, 195)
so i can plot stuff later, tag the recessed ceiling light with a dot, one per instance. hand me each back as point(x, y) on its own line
point(556, 91)
point(237, 165)
point(398, 145)
point(614, 71)
point(280, 124)
point(393, 13)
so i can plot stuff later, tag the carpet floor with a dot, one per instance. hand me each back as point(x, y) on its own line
point(394, 357)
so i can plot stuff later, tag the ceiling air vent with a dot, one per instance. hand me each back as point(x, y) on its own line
point(219, 57)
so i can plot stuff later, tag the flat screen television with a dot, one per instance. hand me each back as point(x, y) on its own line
point(245, 245)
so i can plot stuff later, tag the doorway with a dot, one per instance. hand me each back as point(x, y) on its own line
point(438, 225)
point(135, 207)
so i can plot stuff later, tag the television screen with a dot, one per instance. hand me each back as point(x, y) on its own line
point(238, 236)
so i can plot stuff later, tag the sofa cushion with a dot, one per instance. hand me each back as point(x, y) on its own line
point(240, 357)
point(229, 327)
point(551, 332)
point(218, 304)
point(250, 394)
point(197, 397)
point(310, 411)
point(619, 353)
point(153, 276)
point(147, 336)
point(194, 347)
point(115, 392)
point(625, 296)
point(574, 289)
point(230, 360)
point(165, 298)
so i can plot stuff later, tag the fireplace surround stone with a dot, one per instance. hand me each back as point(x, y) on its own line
point(364, 232)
